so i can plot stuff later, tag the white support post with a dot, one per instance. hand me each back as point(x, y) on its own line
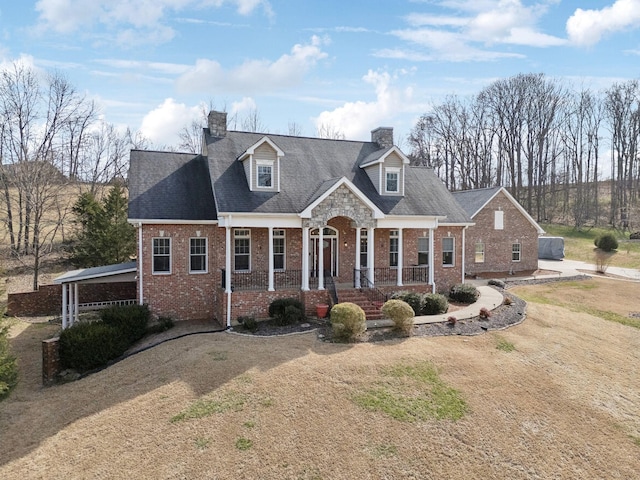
point(464, 247)
point(400, 259)
point(227, 265)
point(140, 276)
point(70, 304)
point(305, 258)
point(371, 256)
point(271, 283)
point(431, 265)
point(76, 303)
point(357, 262)
point(65, 311)
point(320, 258)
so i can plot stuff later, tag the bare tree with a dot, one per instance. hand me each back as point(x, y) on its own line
point(327, 130)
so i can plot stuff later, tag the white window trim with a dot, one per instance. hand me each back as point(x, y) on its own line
point(498, 220)
point(475, 253)
point(153, 256)
point(284, 249)
point(453, 253)
point(206, 256)
point(519, 252)
point(395, 235)
point(423, 251)
point(234, 248)
point(387, 171)
point(265, 163)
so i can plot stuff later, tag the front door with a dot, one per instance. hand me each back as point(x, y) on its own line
point(329, 252)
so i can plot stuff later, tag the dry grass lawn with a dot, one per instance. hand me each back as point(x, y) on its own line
point(565, 403)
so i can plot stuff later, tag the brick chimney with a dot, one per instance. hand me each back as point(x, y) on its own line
point(383, 136)
point(217, 123)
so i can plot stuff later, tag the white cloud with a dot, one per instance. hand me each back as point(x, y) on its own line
point(253, 75)
point(138, 21)
point(356, 119)
point(247, 104)
point(587, 27)
point(163, 124)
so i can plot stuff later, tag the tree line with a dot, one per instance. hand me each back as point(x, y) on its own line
point(543, 140)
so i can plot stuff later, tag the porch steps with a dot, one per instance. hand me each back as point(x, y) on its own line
point(356, 296)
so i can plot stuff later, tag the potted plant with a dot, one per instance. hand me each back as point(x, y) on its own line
point(322, 309)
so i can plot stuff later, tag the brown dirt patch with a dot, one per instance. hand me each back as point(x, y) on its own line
point(564, 404)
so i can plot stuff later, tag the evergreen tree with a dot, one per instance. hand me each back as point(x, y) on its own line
point(104, 236)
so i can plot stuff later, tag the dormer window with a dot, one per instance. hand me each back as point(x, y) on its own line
point(392, 183)
point(265, 174)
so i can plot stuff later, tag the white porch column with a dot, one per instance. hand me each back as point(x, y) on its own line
point(65, 310)
point(357, 262)
point(76, 303)
point(431, 262)
point(271, 287)
point(400, 259)
point(305, 258)
point(321, 258)
point(70, 304)
point(140, 276)
point(227, 272)
point(371, 253)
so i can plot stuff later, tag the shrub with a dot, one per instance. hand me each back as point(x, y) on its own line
point(484, 313)
point(348, 321)
point(606, 242)
point(434, 304)
point(452, 320)
point(249, 323)
point(85, 346)
point(162, 325)
point(286, 311)
point(8, 365)
point(507, 301)
point(496, 283)
point(464, 293)
point(131, 321)
point(401, 313)
point(415, 300)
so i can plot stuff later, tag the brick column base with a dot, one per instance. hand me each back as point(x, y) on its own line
point(50, 360)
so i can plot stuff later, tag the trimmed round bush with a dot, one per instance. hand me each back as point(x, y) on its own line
point(85, 346)
point(348, 321)
point(414, 300)
point(401, 313)
point(434, 304)
point(464, 293)
point(606, 242)
point(130, 321)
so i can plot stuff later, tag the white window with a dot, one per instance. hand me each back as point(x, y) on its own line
point(479, 258)
point(242, 250)
point(265, 174)
point(498, 220)
point(197, 255)
point(423, 250)
point(278, 249)
point(364, 246)
point(392, 180)
point(515, 252)
point(162, 255)
point(393, 248)
point(448, 245)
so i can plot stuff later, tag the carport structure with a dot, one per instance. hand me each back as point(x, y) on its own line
point(123, 272)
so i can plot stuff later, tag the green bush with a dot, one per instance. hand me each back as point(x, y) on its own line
point(606, 242)
point(348, 321)
point(401, 313)
point(464, 293)
point(85, 346)
point(434, 304)
point(286, 311)
point(8, 365)
point(162, 325)
point(248, 322)
point(415, 300)
point(130, 321)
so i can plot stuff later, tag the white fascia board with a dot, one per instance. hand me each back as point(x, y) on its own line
point(153, 221)
point(452, 224)
point(413, 221)
point(405, 159)
point(76, 276)
point(377, 213)
point(259, 220)
point(251, 150)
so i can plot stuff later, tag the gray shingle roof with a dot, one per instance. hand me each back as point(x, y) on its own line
point(96, 272)
point(169, 186)
point(473, 200)
point(179, 186)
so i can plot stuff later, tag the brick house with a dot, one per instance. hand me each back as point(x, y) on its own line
point(255, 217)
point(504, 237)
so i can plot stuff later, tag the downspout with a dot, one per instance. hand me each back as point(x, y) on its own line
point(464, 248)
point(431, 266)
point(140, 282)
point(227, 272)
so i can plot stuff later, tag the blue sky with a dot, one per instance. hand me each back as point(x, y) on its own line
point(350, 65)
